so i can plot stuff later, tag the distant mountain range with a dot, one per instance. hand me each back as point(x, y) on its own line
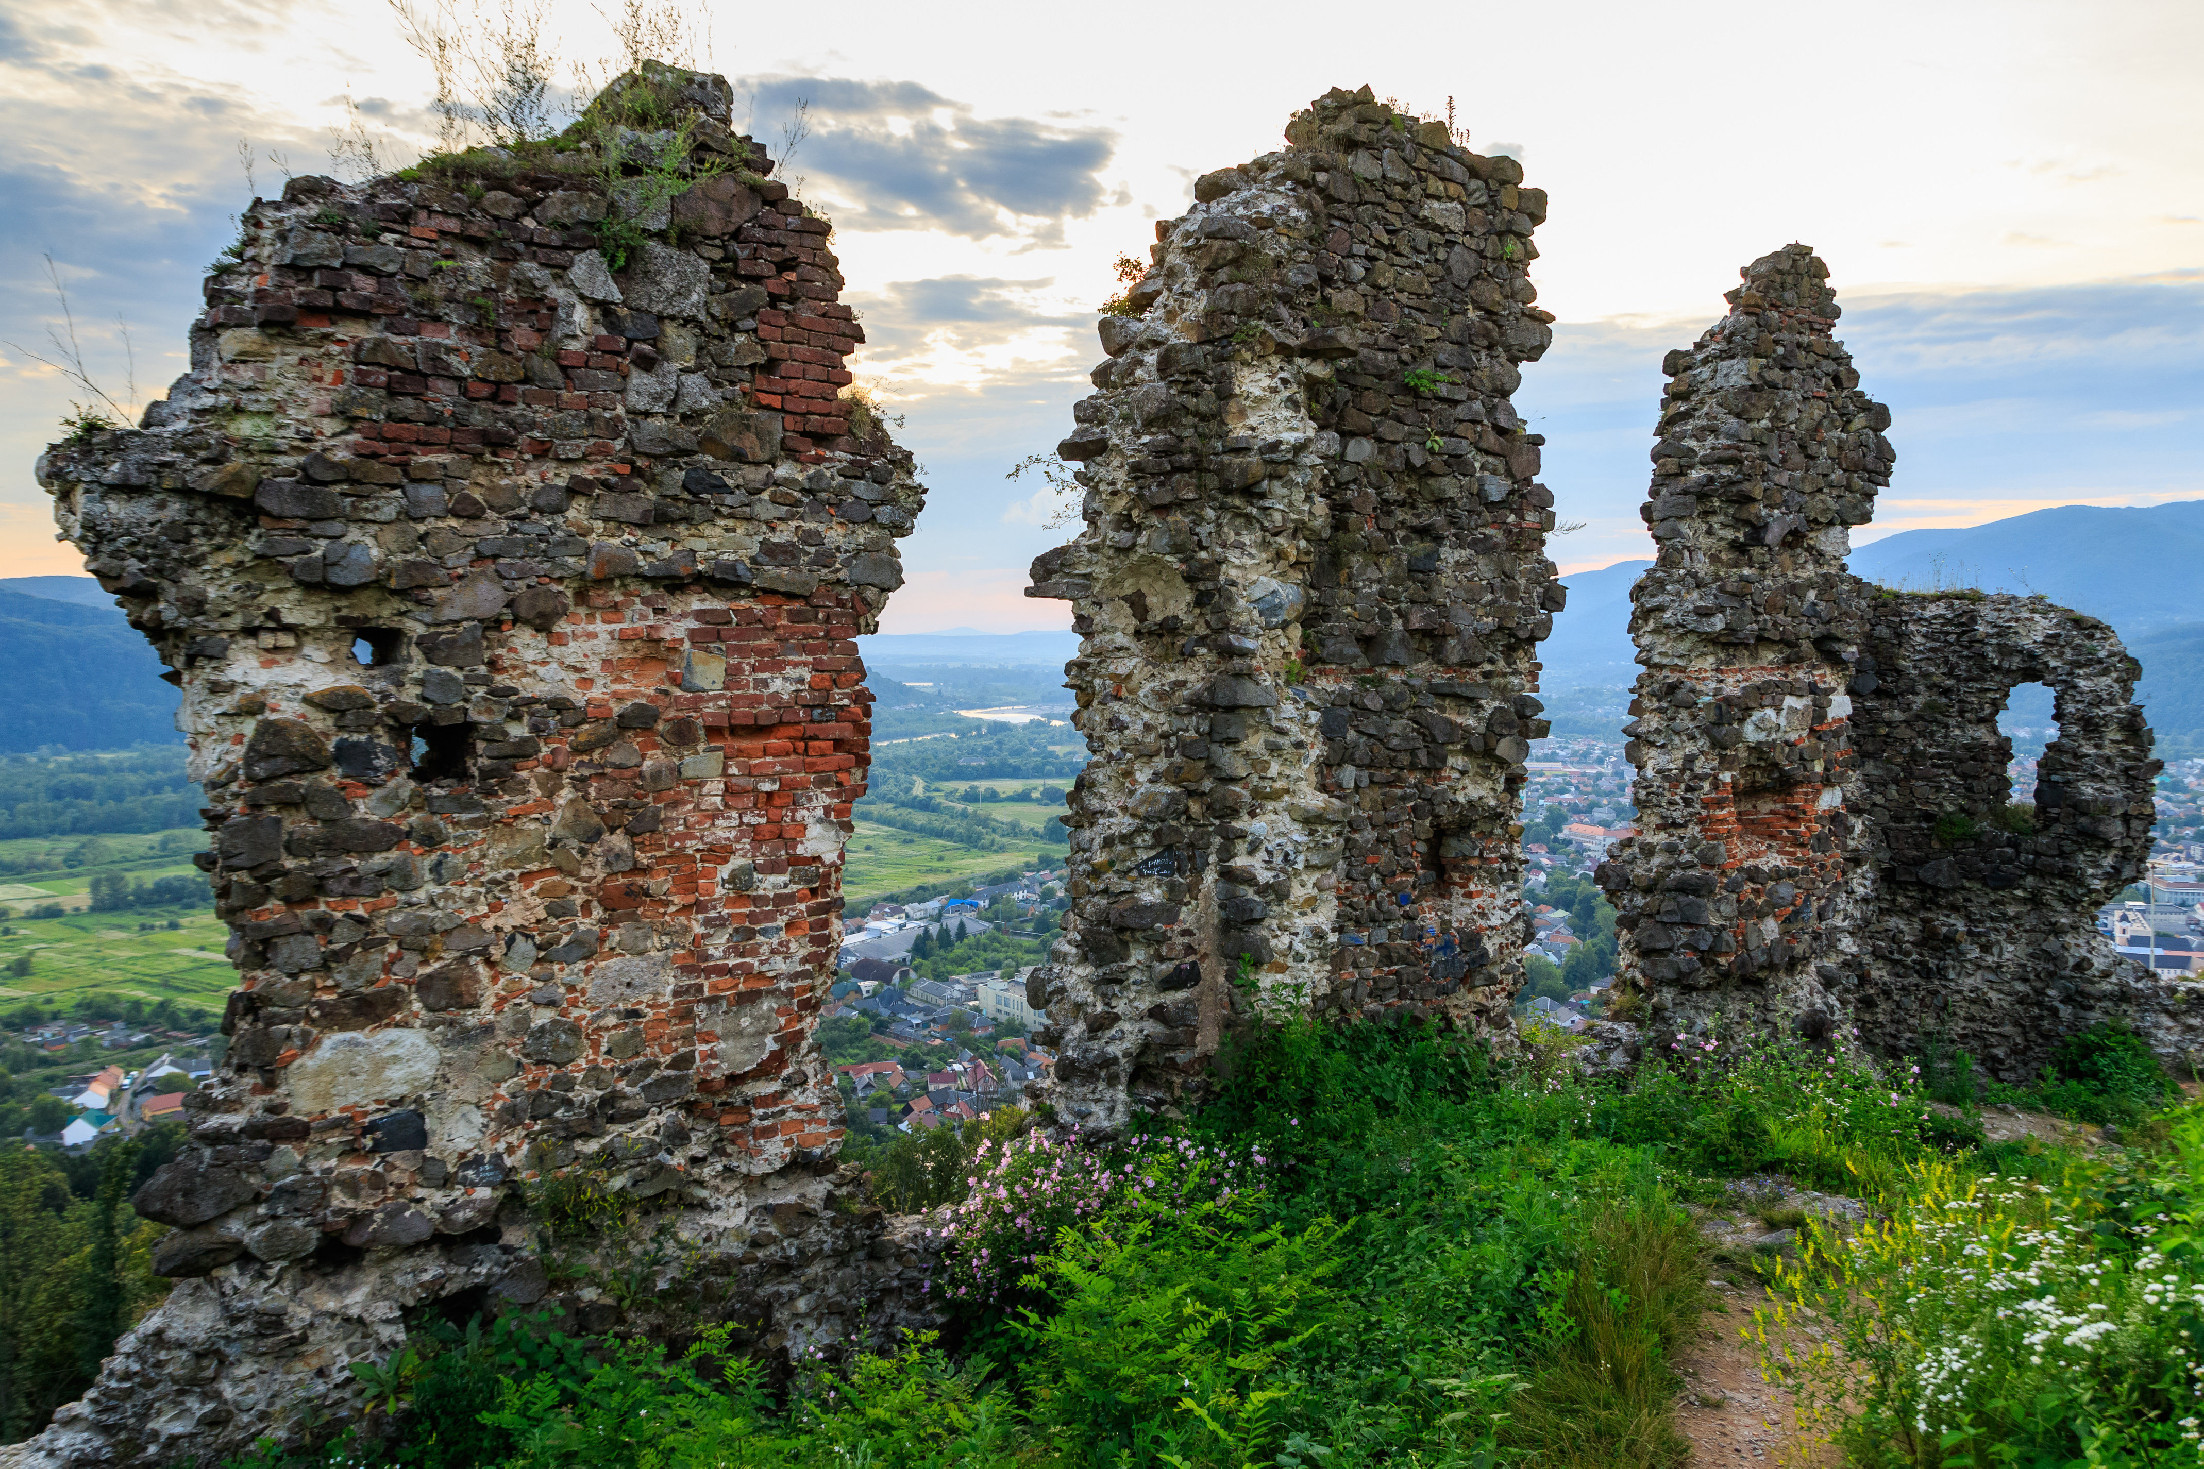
point(1590, 644)
point(2136, 569)
point(78, 677)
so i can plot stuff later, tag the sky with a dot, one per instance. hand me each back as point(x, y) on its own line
point(2010, 198)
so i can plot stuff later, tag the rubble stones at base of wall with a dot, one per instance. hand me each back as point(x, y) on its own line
point(1309, 589)
point(509, 541)
point(1825, 833)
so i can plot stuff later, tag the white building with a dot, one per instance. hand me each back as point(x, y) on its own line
point(1005, 1000)
point(2174, 890)
point(80, 1133)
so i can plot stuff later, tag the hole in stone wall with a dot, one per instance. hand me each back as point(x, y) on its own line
point(2030, 721)
point(377, 647)
point(442, 751)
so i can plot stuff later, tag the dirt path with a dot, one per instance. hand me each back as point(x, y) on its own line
point(1730, 1415)
point(1728, 1412)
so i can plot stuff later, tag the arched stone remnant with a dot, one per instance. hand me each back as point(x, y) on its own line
point(1309, 588)
point(508, 539)
point(1824, 831)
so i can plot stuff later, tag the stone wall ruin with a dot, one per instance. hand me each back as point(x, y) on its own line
point(508, 540)
point(1309, 589)
point(1825, 833)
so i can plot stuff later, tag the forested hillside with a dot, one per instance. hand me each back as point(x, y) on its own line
point(77, 676)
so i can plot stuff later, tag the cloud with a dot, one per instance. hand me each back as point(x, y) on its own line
point(2127, 418)
point(16, 46)
point(2068, 171)
point(129, 181)
point(2003, 401)
point(1046, 508)
point(986, 597)
point(2157, 320)
point(960, 332)
point(895, 155)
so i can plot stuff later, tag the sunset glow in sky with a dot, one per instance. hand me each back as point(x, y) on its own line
point(2010, 197)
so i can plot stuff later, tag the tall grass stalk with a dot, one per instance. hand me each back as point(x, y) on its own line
point(1604, 1393)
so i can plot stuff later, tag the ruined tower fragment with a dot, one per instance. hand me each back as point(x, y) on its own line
point(1309, 588)
point(508, 540)
point(1745, 872)
point(1826, 836)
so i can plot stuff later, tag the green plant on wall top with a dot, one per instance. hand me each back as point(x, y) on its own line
point(1128, 271)
point(663, 169)
point(82, 423)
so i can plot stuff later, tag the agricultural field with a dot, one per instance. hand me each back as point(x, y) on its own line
point(1007, 798)
point(133, 954)
point(884, 860)
point(40, 870)
point(1025, 813)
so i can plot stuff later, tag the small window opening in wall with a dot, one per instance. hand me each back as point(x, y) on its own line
point(2030, 723)
point(441, 751)
point(377, 647)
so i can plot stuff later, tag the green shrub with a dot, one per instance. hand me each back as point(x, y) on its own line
point(917, 1171)
point(1632, 1293)
point(1947, 1073)
point(2105, 1074)
point(1954, 829)
point(1732, 1136)
point(1025, 1196)
point(914, 1409)
point(1170, 1334)
point(1993, 1321)
point(1378, 1247)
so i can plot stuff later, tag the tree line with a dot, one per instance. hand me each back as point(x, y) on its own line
point(139, 790)
point(114, 892)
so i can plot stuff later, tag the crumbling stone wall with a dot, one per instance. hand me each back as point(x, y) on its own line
point(508, 540)
point(1309, 588)
point(1984, 926)
point(1742, 888)
point(1824, 833)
